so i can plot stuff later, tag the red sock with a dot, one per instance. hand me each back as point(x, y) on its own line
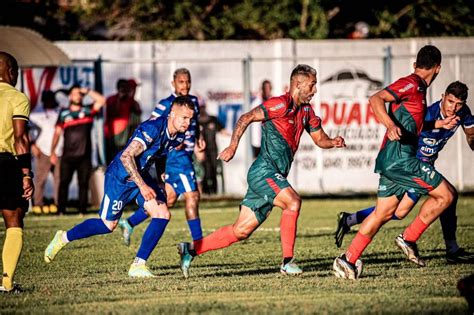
point(413, 232)
point(288, 232)
point(221, 238)
point(358, 245)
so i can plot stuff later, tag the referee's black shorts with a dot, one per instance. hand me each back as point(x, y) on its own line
point(11, 183)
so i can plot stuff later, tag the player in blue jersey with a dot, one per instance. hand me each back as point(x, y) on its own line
point(442, 119)
point(127, 178)
point(180, 178)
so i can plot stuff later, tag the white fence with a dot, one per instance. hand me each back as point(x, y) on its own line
point(348, 71)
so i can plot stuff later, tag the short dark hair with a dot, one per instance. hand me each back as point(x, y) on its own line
point(74, 86)
point(303, 69)
point(266, 82)
point(181, 71)
point(184, 101)
point(428, 57)
point(9, 60)
point(457, 89)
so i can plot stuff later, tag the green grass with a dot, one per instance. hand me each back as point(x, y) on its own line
point(90, 276)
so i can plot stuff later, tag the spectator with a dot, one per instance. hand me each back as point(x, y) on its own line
point(256, 129)
point(119, 110)
point(44, 119)
point(75, 123)
point(209, 126)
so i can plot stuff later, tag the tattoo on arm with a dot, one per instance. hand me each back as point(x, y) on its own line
point(255, 114)
point(133, 150)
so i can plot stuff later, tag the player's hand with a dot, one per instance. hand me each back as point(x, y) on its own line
point(28, 188)
point(227, 154)
point(53, 159)
point(338, 142)
point(450, 122)
point(201, 144)
point(147, 192)
point(394, 133)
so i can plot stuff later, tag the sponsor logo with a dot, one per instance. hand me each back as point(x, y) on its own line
point(406, 88)
point(429, 141)
point(147, 137)
point(291, 121)
point(382, 188)
point(277, 107)
point(161, 107)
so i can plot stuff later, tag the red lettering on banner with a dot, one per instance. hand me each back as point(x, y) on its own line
point(44, 83)
point(345, 114)
point(354, 115)
point(325, 113)
point(339, 120)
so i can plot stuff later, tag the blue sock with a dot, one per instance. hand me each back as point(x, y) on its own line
point(138, 217)
point(362, 214)
point(195, 228)
point(87, 228)
point(150, 238)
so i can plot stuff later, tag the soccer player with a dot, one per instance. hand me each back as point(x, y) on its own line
point(445, 116)
point(180, 177)
point(16, 185)
point(284, 120)
point(127, 178)
point(399, 168)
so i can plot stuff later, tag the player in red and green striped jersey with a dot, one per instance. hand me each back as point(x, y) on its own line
point(284, 118)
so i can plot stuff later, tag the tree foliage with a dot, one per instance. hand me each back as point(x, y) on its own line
point(244, 19)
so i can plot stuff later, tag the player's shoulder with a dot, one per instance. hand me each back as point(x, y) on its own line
point(278, 102)
point(15, 95)
point(167, 101)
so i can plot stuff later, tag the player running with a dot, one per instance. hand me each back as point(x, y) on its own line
point(127, 178)
point(444, 116)
point(180, 177)
point(399, 168)
point(284, 120)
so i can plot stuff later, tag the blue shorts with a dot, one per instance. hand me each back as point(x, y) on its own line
point(118, 194)
point(182, 181)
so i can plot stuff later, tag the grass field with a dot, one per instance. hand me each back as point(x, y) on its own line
point(90, 276)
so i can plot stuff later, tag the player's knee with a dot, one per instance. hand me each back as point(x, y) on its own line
point(294, 204)
point(170, 201)
point(111, 225)
point(159, 211)
point(241, 233)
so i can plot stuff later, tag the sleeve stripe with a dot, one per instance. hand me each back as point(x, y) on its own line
point(264, 111)
point(141, 141)
point(397, 99)
point(20, 117)
point(469, 126)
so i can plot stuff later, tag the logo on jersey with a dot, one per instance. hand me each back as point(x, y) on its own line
point(147, 137)
point(429, 141)
point(406, 88)
point(277, 107)
point(382, 188)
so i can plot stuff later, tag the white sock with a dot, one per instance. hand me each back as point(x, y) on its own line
point(64, 238)
point(451, 246)
point(138, 261)
point(351, 220)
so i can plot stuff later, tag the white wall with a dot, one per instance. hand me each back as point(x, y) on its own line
point(217, 76)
